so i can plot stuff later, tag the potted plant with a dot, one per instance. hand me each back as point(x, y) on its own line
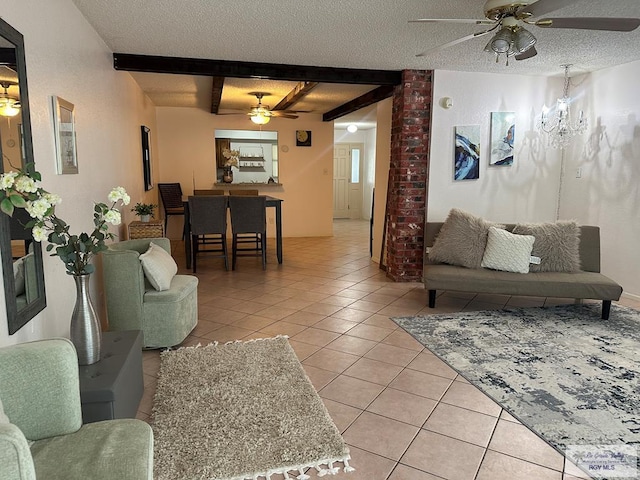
point(144, 210)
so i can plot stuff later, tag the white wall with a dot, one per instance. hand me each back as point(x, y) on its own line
point(608, 192)
point(65, 57)
point(525, 191)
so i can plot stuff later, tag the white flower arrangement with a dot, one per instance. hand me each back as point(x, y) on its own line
point(232, 157)
point(21, 190)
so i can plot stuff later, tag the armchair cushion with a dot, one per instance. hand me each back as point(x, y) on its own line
point(159, 267)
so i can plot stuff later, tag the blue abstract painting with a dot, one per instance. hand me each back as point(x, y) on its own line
point(503, 133)
point(467, 153)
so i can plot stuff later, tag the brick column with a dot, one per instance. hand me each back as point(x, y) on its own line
point(408, 175)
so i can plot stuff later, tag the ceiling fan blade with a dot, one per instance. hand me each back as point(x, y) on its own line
point(279, 113)
point(452, 20)
point(591, 23)
point(544, 6)
point(455, 42)
point(528, 53)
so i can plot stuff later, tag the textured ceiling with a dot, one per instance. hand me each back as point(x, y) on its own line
point(371, 34)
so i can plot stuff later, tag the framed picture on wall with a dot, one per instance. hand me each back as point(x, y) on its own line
point(65, 136)
point(503, 132)
point(466, 157)
point(146, 158)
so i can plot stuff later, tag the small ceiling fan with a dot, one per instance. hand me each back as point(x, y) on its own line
point(507, 19)
point(261, 114)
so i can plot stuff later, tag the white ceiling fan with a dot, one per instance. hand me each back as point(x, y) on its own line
point(507, 18)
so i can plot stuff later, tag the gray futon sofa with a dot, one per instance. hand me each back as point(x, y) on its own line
point(588, 283)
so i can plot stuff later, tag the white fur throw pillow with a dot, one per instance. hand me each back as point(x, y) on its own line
point(159, 267)
point(557, 244)
point(507, 252)
point(461, 240)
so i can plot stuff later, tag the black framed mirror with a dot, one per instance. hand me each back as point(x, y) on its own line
point(146, 158)
point(22, 264)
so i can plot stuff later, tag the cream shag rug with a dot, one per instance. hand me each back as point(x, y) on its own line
point(242, 410)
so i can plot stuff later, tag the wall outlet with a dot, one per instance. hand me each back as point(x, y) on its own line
point(579, 172)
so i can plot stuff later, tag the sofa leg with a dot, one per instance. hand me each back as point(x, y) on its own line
point(432, 299)
point(606, 309)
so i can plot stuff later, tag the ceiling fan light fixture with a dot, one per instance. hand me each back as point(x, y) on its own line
point(260, 118)
point(9, 107)
point(523, 40)
point(501, 41)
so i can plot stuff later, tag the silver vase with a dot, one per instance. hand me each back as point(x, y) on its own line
point(85, 326)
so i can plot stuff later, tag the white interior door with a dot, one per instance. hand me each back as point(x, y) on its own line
point(341, 176)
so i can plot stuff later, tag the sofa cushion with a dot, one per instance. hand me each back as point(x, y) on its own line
point(557, 245)
point(507, 252)
point(159, 267)
point(461, 240)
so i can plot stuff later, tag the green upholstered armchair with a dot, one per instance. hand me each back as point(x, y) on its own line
point(41, 431)
point(165, 317)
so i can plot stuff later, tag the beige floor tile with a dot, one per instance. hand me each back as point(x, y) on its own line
point(369, 332)
point(470, 397)
point(504, 415)
point(382, 321)
point(275, 312)
point(332, 360)
point(318, 376)
point(204, 327)
point(423, 384)
point(303, 350)
point(400, 338)
point(283, 328)
point(373, 371)
point(315, 336)
point(341, 414)
point(352, 314)
point(518, 441)
point(228, 333)
point(270, 299)
point(340, 301)
point(221, 315)
point(497, 466)
point(353, 345)
point(427, 362)
point(399, 311)
point(352, 294)
point(403, 406)
point(253, 322)
point(380, 435)
point(368, 466)
point(351, 391)
point(443, 456)
point(335, 325)
point(571, 470)
point(305, 318)
point(460, 423)
point(390, 354)
point(402, 472)
point(295, 303)
point(322, 308)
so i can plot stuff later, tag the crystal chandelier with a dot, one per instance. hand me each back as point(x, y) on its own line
point(559, 126)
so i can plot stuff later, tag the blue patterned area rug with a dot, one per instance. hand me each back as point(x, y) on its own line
point(571, 377)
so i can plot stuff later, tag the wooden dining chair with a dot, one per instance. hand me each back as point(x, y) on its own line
point(249, 227)
point(208, 192)
point(208, 219)
point(171, 195)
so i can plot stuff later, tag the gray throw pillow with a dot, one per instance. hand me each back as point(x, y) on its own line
point(557, 244)
point(461, 240)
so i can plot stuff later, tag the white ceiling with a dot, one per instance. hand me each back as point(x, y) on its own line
point(373, 34)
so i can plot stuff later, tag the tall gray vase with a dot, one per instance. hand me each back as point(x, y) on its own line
point(85, 325)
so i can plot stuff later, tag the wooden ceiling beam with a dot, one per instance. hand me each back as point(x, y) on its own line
point(271, 71)
point(369, 98)
point(298, 93)
point(216, 94)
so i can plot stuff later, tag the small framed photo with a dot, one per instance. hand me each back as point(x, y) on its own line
point(303, 138)
point(65, 135)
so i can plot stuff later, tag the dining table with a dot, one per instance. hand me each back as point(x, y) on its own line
point(271, 202)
